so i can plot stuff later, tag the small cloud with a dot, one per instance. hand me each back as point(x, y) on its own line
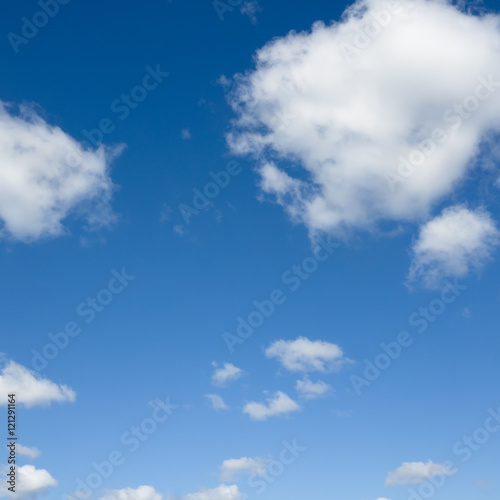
point(233, 468)
point(218, 216)
point(312, 390)
point(165, 213)
point(342, 414)
point(304, 355)
point(217, 402)
point(180, 230)
point(27, 451)
point(185, 134)
point(224, 81)
point(280, 404)
point(226, 374)
point(250, 9)
point(466, 313)
point(452, 245)
point(417, 472)
point(481, 483)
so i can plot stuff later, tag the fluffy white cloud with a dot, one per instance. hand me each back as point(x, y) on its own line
point(417, 472)
point(304, 355)
point(328, 129)
point(312, 390)
point(27, 451)
point(30, 483)
point(141, 493)
point(452, 244)
point(46, 176)
point(217, 402)
point(279, 404)
point(233, 468)
point(225, 374)
point(31, 389)
point(222, 492)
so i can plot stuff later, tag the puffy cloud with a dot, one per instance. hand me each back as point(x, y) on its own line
point(304, 355)
point(312, 390)
point(27, 451)
point(279, 404)
point(452, 244)
point(217, 402)
point(31, 389)
point(331, 130)
point(417, 472)
point(234, 467)
point(30, 483)
point(225, 374)
point(141, 493)
point(222, 492)
point(46, 176)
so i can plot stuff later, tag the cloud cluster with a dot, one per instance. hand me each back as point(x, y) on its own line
point(30, 388)
point(452, 244)
point(417, 472)
point(46, 176)
point(326, 129)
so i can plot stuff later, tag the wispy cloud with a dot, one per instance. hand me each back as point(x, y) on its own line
point(217, 402)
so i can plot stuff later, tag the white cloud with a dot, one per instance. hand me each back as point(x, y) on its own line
point(417, 472)
point(381, 498)
point(233, 468)
point(279, 404)
point(312, 390)
point(217, 402)
point(185, 134)
point(325, 128)
point(250, 9)
point(27, 451)
point(222, 492)
point(46, 176)
point(31, 389)
point(452, 244)
point(30, 483)
point(304, 355)
point(141, 493)
point(225, 374)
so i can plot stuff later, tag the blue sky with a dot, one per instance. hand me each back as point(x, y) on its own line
point(354, 225)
